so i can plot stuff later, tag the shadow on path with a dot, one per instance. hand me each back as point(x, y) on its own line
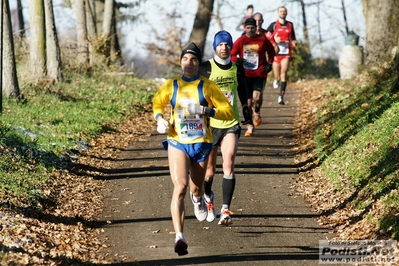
point(272, 225)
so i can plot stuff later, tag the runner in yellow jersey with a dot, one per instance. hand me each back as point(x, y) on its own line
point(194, 100)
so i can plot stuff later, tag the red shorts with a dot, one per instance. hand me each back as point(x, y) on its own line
point(277, 59)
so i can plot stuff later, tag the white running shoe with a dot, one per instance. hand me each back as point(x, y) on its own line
point(276, 84)
point(225, 217)
point(281, 100)
point(200, 209)
point(181, 247)
point(211, 207)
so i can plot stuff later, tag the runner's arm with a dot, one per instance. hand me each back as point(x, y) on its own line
point(205, 69)
point(270, 51)
point(293, 37)
point(161, 99)
point(235, 53)
point(219, 102)
point(241, 89)
point(270, 32)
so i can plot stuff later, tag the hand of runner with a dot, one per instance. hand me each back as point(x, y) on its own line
point(195, 109)
point(269, 67)
point(240, 61)
point(163, 126)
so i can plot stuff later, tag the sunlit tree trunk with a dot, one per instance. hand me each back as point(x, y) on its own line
point(382, 31)
point(107, 27)
point(81, 31)
point(116, 48)
point(52, 47)
point(9, 73)
point(37, 42)
point(91, 30)
point(99, 9)
point(201, 23)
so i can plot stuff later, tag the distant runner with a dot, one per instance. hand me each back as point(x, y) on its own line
point(282, 32)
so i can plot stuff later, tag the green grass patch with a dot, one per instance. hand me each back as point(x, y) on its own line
point(369, 160)
point(358, 143)
point(353, 109)
point(50, 119)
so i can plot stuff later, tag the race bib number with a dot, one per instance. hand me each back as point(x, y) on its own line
point(251, 61)
point(191, 128)
point(284, 47)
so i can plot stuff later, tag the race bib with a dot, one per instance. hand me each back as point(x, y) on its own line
point(251, 60)
point(284, 47)
point(191, 127)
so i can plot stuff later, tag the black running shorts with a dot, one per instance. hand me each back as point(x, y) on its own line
point(219, 133)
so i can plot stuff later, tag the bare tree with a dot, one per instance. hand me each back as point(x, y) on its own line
point(167, 46)
point(91, 30)
point(37, 39)
point(52, 48)
point(81, 32)
point(116, 50)
point(345, 20)
point(382, 31)
point(21, 22)
point(305, 25)
point(107, 27)
point(216, 15)
point(201, 23)
point(99, 14)
point(319, 23)
point(9, 82)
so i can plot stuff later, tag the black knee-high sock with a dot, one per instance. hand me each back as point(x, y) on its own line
point(282, 87)
point(228, 186)
point(208, 186)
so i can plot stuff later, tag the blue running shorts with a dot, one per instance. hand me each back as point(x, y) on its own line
point(197, 152)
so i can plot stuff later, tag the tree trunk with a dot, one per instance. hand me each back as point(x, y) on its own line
point(107, 28)
point(305, 26)
point(382, 30)
point(81, 32)
point(116, 48)
point(21, 22)
point(37, 39)
point(99, 9)
point(91, 30)
point(319, 24)
point(201, 23)
point(9, 82)
point(52, 47)
point(216, 15)
point(345, 20)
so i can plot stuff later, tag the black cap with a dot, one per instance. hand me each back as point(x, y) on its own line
point(193, 49)
point(250, 21)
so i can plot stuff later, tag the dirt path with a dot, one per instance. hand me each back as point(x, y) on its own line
point(272, 225)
